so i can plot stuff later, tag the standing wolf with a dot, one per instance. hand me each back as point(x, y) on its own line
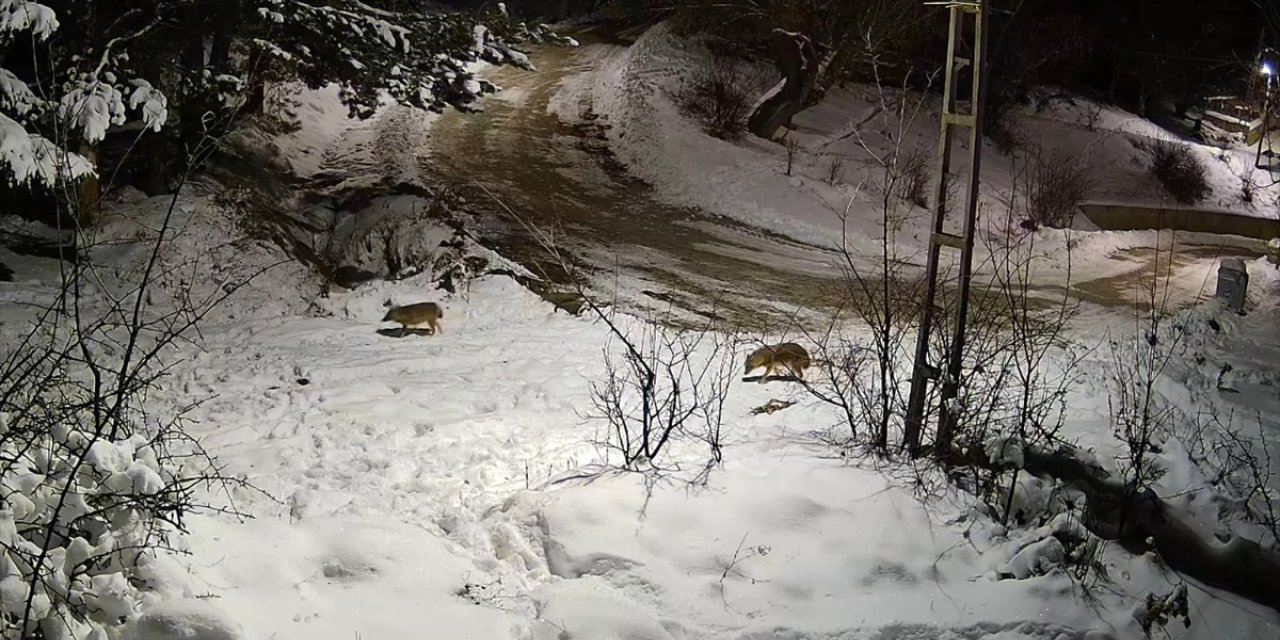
point(789, 355)
point(416, 315)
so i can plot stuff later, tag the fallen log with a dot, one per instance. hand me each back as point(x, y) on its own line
point(1140, 521)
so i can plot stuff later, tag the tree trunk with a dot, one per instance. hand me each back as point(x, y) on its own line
point(255, 98)
point(797, 59)
point(89, 193)
point(830, 72)
point(1142, 98)
point(1139, 521)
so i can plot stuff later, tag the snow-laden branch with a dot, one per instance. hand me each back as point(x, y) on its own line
point(31, 158)
point(21, 15)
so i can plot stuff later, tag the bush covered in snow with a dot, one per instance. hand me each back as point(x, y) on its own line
point(94, 486)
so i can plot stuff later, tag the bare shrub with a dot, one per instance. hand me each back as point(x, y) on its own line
point(835, 170)
point(1058, 186)
point(1240, 465)
point(861, 374)
point(911, 177)
point(1006, 136)
point(663, 388)
point(1018, 363)
point(719, 95)
point(1141, 416)
point(1247, 189)
point(1018, 367)
point(1178, 170)
point(792, 147)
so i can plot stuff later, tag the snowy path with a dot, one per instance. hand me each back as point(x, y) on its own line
point(561, 177)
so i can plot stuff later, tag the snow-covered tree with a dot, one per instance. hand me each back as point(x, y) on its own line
point(84, 104)
point(71, 71)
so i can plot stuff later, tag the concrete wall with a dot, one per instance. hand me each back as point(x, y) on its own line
point(1114, 217)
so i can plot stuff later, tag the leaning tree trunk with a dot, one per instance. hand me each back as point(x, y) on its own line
point(798, 60)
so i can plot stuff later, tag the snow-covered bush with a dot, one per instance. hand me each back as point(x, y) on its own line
point(92, 485)
point(26, 155)
point(92, 489)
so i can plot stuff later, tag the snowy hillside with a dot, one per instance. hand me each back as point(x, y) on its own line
point(634, 91)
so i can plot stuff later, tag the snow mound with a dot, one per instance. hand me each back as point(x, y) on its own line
point(788, 541)
point(186, 620)
point(590, 609)
point(335, 578)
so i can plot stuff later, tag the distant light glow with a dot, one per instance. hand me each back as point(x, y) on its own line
point(1266, 69)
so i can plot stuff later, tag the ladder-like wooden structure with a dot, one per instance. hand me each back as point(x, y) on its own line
point(959, 56)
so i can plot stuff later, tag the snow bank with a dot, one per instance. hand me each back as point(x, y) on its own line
point(631, 90)
point(782, 546)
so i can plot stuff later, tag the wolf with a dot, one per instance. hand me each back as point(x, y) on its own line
point(416, 315)
point(789, 355)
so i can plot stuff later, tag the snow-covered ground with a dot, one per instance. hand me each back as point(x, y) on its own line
point(431, 486)
point(426, 485)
